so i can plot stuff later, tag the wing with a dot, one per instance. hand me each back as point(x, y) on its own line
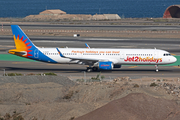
point(84, 60)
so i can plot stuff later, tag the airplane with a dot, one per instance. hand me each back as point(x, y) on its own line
point(96, 58)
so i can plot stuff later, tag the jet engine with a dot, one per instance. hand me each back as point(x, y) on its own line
point(107, 65)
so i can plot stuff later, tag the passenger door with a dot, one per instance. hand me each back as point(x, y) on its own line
point(156, 54)
point(36, 53)
point(122, 56)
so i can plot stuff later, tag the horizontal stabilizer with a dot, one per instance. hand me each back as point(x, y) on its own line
point(17, 52)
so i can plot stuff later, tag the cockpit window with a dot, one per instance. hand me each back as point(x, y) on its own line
point(167, 54)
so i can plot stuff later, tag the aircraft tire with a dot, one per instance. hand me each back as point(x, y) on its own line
point(95, 69)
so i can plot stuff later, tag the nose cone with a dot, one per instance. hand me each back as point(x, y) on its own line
point(174, 59)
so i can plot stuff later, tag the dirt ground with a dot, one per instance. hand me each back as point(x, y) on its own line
point(58, 98)
point(136, 106)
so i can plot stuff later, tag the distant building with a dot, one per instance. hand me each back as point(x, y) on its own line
point(112, 16)
point(98, 17)
point(61, 15)
point(106, 17)
point(172, 12)
point(52, 12)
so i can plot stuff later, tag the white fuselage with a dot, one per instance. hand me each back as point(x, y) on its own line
point(96, 58)
point(117, 56)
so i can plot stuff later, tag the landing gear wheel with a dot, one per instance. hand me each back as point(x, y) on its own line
point(94, 68)
point(89, 69)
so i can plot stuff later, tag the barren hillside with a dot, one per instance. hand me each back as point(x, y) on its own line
point(136, 106)
point(58, 98)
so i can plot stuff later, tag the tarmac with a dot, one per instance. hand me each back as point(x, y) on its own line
point(30, 94)
point(16, 64)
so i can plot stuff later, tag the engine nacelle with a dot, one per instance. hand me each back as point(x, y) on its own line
point(117, 66)
point(105, 65)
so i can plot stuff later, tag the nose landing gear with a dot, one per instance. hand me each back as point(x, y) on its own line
point(156, 68)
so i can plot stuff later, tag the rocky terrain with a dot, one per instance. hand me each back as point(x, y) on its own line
point(136, 106)
point(58, 98)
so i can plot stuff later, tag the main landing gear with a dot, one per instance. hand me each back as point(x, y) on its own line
point(156, 68)
point(90, 69)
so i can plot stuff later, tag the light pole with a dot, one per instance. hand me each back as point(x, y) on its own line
point(85, 76)
point(4, 72)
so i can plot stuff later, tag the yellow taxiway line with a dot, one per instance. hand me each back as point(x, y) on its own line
point(176, 66)
point(133, 66)
point(20, 62)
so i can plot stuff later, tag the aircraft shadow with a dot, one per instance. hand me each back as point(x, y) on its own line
point(71, 70)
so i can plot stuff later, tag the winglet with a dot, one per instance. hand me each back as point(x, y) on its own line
point(60, 53)
point(87, 45)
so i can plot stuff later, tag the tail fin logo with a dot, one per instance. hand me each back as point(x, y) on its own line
point(22, 45)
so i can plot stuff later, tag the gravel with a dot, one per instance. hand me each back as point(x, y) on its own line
point(37, 79)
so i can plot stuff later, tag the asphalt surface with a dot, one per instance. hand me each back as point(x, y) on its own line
point(77, 71)
point(171, 45)
point(94, 27)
